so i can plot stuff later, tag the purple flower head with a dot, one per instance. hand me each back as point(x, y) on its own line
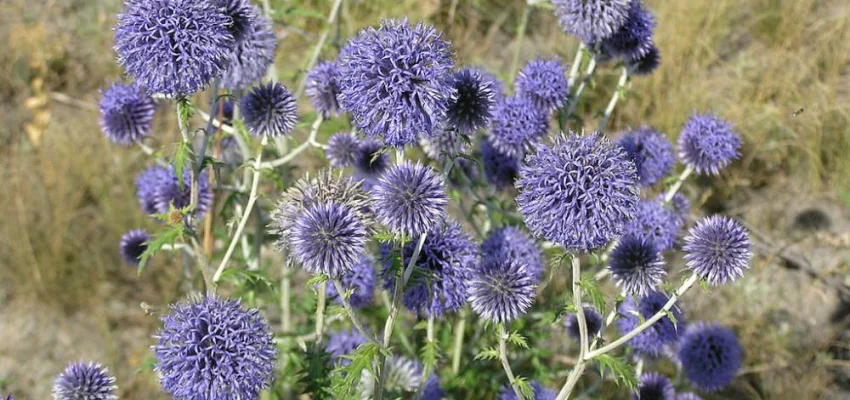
point(647, 63)
point(654, 386)
point(395, 81)
point(328, 238)
point(410, 199)
point(655, 222)
point(634, 39)
point(681, 205)
point(544, 83)
point(651, 341)
point(708, 144)
point(517, 126)
point(651, 152)
point(499, 169)
point(402, 377)
point(169, 192)
point(511, 243)
point(710, 356)
point(323, 88)
point(501, 289)
point(591, 20)
point(343, 149)
point(133, 244)
point(255, 44)
point(593, 319)
point(269, 110)
point(636, 265)
point(343, 343)
point(360, 280)
point(432, 390)
point(540, 392)
point(242, 17)
point(579, 193)
point(225, 107)
point(147, 183)
point(126, 113)
point(81, 381)
point(445, 266)
point(717, 249)
point(174, 47)
point(687, 396)
point(477, 94)
point(444, 143)
point(213, 349)
point(372, 160)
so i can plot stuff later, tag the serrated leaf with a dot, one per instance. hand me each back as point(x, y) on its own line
point(487, 354)
point(157, 240)
point(591, 288)
point(429, 354)
point(672, 318)
point(518, 340)
point(623, 372)
point(524, 387)
point(346, 377)
point(254, 277)
point(315, 280)
point(181, 157)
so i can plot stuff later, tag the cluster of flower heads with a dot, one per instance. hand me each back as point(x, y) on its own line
point(636, 265)
point(591, 21)
point(517, 126)
point(255, 44)
point(511, 243)
point(655, 222)
point(84, 381)
point(322, 87)
point(477, 93)
point(717, 250)
point(633, 40)
point(158, 189)
point(500, 170)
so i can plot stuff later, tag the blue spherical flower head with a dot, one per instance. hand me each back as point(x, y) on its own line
point(654, 386)
point(343, 343)
point(500, 170)
point(708, 144)
point(634, 39)
point(710, 356)
point(174, 47)
point(323, 88)
point(269, 110)
point(477, 94)
point(592, 318)
point(646, 64)
point(372, 160)
point(544, 83)
point(501, 289)
point(343, 149)
point(687, 396)
point(211, 348)
point(651, 152)
point(360, 280)
point(328, 238)
point(401, 379)
point(147, 184)
point(395, 81)
point(126, 113)
point(579, 193)
point(517, 126)
point(664, 332)
point(655, 222)
point(540, 392)
point(133, 245)
point(410, 199)
point(86, 381)
point(717, 249)
point(636, 265)
point(591, 20)
point(170, 193)
point(681, 205)
point(255, 44)
point(511, 243)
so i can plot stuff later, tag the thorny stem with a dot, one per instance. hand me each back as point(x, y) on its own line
point(320, 312)
point(621, 86)
point(426, 373)
point(678, 185)
point(318, 49)
point(348, 309)
point(506, 365)
point(457, 350)
point(578, 369)
point(520, 34)
point(311, 141)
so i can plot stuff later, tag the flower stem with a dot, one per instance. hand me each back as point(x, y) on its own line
point(506, 365)
point(199, 162)
point(678, 185)
point(576, 67)
point(320, 312)
point(318, 49)
point(578, 369)
point(457, 350)
point(311, 141)
point(588, 75)
point(285, 309)
point(520, 34)
point(348, 309)
point(621, 86)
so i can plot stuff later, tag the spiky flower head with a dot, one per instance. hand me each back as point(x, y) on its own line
point(395, 81)
point(147, 183)
point(511, 243)
point(647, 64)
point(717, 249)
point(214, 349)
point(126, 113)
point(517, 126)
point(651, 341)
point(501, 289)
point(269, 110)
point(322, 87)
point(174, 47)
point(687, 396)
point(400, 381)
point(410, 199)
point(710, 356)
point(544, 83)
point(84, 381)
point(360, 280)
point(634, 39)
point(636, 265)
point(133, 244)
point(708, 144)
point(170, 191)
point(371, 162)
point(499, 169)
point(343, 343)
point(443, 143)
point(651, 152)
point(591, 20)
point(477, 94)
point(592, 318)
point(343, 149)
point(432, 390)
point(655, 222)
point(540, 392)
point(654, 386)
point(579, 193)
point(681, 205)
point(255, 44)
point(328, 238)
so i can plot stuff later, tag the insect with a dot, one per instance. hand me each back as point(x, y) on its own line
point(798, 112)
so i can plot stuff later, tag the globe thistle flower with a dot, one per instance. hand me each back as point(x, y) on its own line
point(687, 396)
point(592, 318)
point(591, 20)
point(328, 238)
point(636, 265)
point(343, 149)
point(447, 263)
point(544, 83)
point(710, 356)
point(655, 222)
point(402, 378)
point(133, 245)
point(634, 39)
point(708, 144)
point(579, 193)
point(126, 113)
point(679, 204)
point(211, 348)
point(254, 48)
point(343, 343)
point(395, 81)
point(410, 199)
point(501, 289)
point(169, 192)
point(717, 249)
point(540, 392)
point(517, 126)
point(651, 341)
point(225, 106)
point(432, 389)
point(323, 88)
point(651, 152)
point(499, 169)
point(81, 381)
point(147, 183)
point(174, 47)
point(511, 243)
point(372, 161)
point(269, 110)
point(654, 386)
point(647, 64)
point(477, 94)
point(360, 279)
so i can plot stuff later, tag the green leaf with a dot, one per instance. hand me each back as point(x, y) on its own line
point(518, 340)
point(524, 387)
point(180, 159)
point(317, 280)
point(159, 239)
point(487, 354)
point(672, 318)
point(589, 285)
point(345, 378)
point(243, 276)
point(622, 371)
point(316, 373)
point(429, 354)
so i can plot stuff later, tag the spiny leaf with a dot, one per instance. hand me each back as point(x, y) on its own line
point(317, 280)
point(622, 371)
point(518, 340)
point(487, 354)
point(315, 373)
point(672, 318)
point(346, 377)
point(159, 239)
point(524, 387)
point(590, 287)
point(181, 157)
point(429, 354)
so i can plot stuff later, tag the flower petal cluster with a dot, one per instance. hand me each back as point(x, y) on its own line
point(544, 82)
point(84, 381)
point(501, 289)
point(133, 245)
point(126, 113)
point(511, 243)
point(708, 144)
point(710, 356)
point(591, 20)
point(269, 110)
point(410, 199)
point(517, 126)
point(717, 249)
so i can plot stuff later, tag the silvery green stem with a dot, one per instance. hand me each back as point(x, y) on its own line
point(621, 86)
point(346, 304)
point(208, 129)
point(639, 367)
point(578, 369)
point(457, 350)
point(318, 49)
point(204, 266)
point(678, 185)
point(427, 372)
point(520, 34)
point(588, 75)
point(311, 141)
point(399, 156)
point(285, 288)
point(576, 67)
point(320, 312)
point(506, 365)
